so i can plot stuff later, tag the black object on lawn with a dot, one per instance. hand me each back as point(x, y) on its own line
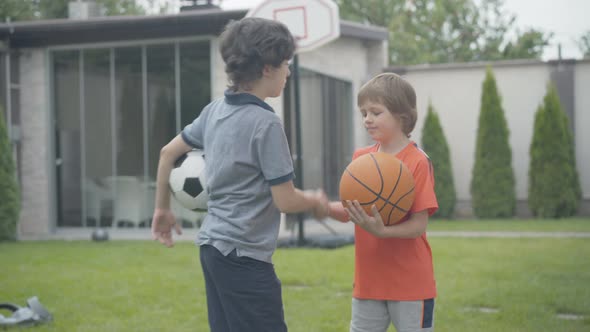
point(100, 235)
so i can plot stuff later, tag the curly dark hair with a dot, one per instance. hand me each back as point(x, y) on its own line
point(251, 43)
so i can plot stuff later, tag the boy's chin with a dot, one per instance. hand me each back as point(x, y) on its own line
point(376, 138)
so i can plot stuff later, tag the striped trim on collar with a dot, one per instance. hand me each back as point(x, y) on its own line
point(242, 98)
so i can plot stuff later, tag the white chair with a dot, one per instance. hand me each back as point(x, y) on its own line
point(95, 195)
point(130, 203)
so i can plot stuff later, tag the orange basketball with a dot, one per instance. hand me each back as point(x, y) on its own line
point(379, 178)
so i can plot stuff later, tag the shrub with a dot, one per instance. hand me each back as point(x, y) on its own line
point(435, 145)
point(554, 186)
point(492, 183)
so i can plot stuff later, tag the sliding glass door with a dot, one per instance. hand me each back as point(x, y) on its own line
point(114, 108)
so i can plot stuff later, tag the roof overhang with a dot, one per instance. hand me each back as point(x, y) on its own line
point(118, 28)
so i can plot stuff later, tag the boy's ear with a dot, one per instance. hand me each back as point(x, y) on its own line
point(267, 70)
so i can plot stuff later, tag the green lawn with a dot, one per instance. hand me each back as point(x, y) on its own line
point(141, 286)
point(514, 225)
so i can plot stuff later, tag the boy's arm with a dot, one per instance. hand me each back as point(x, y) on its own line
point(338, 212)
point(289, 199)
point(414, 227)
point(163, 219)
point(410, 229)
point(168, 155)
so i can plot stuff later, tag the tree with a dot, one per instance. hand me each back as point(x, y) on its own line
point(584, 44)
point(528, 45)
point(438, 31)
point(492, 183)
point(9, 194)
point(21, 10)
point(16, 10)
point(554, 187)
point(435, 145)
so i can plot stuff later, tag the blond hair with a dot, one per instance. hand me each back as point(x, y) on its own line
point(396, 94)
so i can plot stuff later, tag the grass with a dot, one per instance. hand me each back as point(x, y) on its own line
point(513, 225)
point(141, 286)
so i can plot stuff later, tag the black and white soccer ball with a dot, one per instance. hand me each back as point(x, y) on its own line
point(188, 181)
point(100, 235)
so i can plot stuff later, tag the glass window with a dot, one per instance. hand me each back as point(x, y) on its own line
point(161, 102)
point(129, 190)
point(129, 112)
point(97, 133)
point(195, 80)
point(338, 143)
point(114, 109)
point(66, 96)
point(14, 90)
point(326, 117)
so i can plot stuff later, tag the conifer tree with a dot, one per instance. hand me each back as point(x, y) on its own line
point(435, 145)
point(492, 183)
point(554, 186)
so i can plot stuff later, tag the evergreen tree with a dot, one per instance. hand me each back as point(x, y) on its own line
point(492, 183)
point(554, 186)
point(9, 194)
point(435, 145)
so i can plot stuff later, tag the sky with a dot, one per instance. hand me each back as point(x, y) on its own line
point(567, 19)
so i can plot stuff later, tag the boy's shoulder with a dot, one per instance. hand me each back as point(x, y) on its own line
point(416, 158)
point(414, 155)
point(364, 150)
point(417, 152)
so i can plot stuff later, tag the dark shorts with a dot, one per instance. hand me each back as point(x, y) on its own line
point(243, 294)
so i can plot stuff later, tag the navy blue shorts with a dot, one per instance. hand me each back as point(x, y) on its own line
point(243, 294)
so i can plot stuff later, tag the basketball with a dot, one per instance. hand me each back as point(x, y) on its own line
point(379, 178)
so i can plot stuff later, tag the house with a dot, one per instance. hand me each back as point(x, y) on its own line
point(90, 102)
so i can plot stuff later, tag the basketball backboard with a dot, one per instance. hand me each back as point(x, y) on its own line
point(312, 22)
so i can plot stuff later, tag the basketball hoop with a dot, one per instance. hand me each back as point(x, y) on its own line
point(312, 22)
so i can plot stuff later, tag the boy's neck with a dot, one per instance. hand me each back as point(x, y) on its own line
point(256, 90)
point(394, 146)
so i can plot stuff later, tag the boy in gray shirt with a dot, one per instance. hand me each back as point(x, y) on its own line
point(249, 180)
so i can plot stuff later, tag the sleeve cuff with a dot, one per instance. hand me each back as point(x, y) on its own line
point(188, 140)
point(282, 179)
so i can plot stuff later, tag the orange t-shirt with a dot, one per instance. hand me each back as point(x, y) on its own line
point(392, 268)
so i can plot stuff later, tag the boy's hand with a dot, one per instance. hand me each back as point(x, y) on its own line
point(372, 224)
point(162, 224)
point(322, 208)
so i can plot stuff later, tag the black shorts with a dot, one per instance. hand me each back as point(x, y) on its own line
point(243, 294)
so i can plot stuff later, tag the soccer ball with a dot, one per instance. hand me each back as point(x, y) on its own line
point(188, 181)
point(100, 235)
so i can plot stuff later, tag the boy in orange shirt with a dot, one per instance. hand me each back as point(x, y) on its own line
point(394, 277)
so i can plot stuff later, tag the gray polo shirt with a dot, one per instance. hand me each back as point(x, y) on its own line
point(246, 153)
